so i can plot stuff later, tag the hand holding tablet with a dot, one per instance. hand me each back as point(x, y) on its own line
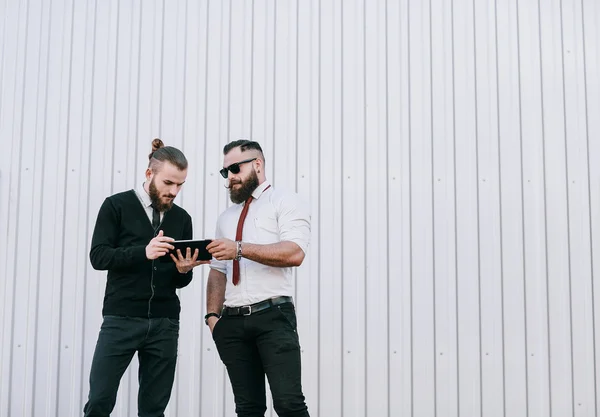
point(182, 245)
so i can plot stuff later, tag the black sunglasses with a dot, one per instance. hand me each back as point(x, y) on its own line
point(234, 168)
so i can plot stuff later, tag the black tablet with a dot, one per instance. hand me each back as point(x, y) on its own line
point(203, 254)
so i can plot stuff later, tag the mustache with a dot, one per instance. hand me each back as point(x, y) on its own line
point(230, 183)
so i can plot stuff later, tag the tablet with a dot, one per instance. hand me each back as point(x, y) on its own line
point(203, 254)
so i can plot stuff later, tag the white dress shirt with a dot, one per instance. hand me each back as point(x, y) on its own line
point(273, 216)
point(140, 191)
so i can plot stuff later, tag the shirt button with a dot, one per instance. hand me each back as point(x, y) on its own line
point(155, 268)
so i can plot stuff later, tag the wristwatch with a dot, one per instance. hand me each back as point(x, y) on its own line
point(210, 315)
point(238, 252)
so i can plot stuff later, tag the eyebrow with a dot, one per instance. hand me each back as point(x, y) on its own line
point(173, 182)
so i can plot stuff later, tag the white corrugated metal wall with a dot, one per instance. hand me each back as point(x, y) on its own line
point(449, 151)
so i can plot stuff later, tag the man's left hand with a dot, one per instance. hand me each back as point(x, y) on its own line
point(185, 265)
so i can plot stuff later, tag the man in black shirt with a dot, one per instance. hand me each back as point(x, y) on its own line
point(141, 308)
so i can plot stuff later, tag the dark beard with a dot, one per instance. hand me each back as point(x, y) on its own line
point(245, 191)
point(155, 198)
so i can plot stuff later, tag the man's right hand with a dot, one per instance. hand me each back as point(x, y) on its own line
point(212, 322)
point(159, 246)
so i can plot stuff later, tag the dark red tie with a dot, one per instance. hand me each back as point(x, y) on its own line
point(238, 236)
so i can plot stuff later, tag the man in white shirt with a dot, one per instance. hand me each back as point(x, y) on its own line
point(258, 242)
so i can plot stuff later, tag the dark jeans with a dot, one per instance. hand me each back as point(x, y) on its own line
point(262, 343)
point(155, 340)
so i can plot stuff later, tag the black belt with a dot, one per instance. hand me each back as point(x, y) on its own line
point(256, 307)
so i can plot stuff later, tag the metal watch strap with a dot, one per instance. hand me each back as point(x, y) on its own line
point(238, 254)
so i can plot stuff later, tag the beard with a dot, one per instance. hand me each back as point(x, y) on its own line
point(241, 194)
point(156, 200)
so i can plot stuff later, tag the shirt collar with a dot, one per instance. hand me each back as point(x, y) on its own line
point(144, 195)
point(259, 190)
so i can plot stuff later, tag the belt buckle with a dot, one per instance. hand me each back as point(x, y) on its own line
point(244, 308)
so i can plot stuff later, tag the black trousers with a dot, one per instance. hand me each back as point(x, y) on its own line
point(264, 343)
point(155, 340)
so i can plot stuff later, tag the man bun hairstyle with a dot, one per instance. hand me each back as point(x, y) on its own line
point(156, 145)
point(161, 154)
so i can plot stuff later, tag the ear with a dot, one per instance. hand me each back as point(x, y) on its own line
point(148, 174)
point(259, 164)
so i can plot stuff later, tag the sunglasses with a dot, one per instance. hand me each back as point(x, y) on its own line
point(234, 168)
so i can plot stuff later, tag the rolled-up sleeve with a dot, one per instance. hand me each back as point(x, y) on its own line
point(294, 220)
